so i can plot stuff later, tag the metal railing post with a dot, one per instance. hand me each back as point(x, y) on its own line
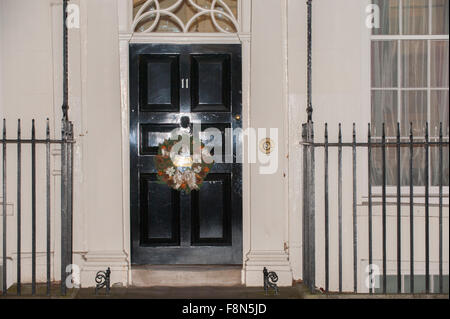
point(308, 206)
point(340, 207)
point(305, 207)
point(311, 207)
point(66, 165)
point(64, 182)
point(66, 201)
point(70, 193)
point(48, 204)
point(4, 212)
point(369, 199)
point(327, 213)
point(33, 209)
point(19, 210)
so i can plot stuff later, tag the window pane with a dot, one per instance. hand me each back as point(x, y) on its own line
point(418, 166)
point(389, 17)
point(414, 64)
point(414, 110)
point(439, 113)
point(439, 64)
point(384, 110)
point(377, 166)
point(440, 16)
point(435, 166)
point(384, 64)
point(415, 16)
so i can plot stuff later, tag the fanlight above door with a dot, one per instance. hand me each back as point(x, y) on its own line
point(185, 16)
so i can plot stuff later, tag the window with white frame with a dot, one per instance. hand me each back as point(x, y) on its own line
point(410, 84)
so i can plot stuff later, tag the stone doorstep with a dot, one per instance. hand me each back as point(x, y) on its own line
point(186, 275)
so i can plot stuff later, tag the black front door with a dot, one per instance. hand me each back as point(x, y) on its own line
point(171, 84)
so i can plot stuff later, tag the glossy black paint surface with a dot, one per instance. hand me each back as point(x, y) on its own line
point(173, 86)
point(159, 79)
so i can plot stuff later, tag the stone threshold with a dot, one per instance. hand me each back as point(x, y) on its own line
point(186, 275)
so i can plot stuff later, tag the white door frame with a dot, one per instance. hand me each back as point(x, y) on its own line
point(126, 36)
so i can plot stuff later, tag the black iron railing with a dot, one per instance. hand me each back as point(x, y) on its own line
point(311, 215)
point(66, 146)
point(18, 145)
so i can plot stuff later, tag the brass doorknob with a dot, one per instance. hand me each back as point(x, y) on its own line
point(237, 117)
point(266, 145)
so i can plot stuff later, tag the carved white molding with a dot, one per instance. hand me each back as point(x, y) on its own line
point(152, 11)
point(274, 260)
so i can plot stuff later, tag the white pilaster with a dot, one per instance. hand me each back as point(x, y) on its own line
point(106, 235)
point(268, 192)
point(124, 108)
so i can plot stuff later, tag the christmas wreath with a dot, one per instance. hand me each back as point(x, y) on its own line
point(176, 166)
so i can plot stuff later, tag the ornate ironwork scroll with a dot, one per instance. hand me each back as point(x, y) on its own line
point(270, 279)
point(102, 278)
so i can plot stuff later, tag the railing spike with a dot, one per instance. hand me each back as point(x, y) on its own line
point(4, 212)
point(441, 278)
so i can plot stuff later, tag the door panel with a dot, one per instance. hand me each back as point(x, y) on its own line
point(211, 83)
point(160, 213)
point(211, 209)
point(151, 135)
point(159, 76)
point(210, 131)
point(200, 84)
